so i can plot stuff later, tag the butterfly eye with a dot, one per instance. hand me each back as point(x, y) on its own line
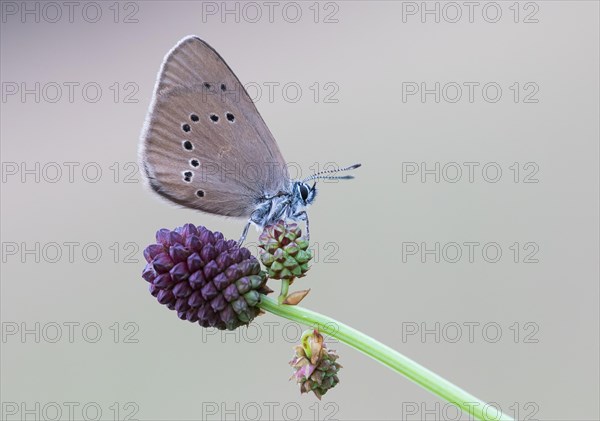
point(303, 192)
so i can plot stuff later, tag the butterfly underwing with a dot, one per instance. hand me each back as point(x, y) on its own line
point(205, 146)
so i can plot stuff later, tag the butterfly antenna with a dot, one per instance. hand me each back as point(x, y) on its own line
point(325, 175)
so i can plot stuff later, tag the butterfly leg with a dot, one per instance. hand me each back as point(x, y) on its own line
point(304, 216)
point(307, 230)
point(244, 233)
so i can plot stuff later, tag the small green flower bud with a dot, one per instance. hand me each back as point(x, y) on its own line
point(284, 252)
point(315, 367)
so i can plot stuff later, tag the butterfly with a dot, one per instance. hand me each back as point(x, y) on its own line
point(205, 146)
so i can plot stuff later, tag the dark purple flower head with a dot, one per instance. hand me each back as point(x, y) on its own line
point(204, 277)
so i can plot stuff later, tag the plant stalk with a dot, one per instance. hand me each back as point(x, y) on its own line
point(285, 286)
point(387, 356)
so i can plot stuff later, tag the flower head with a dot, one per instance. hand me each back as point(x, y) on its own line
point(204, 277)
point(315, 367)
point(284, 251)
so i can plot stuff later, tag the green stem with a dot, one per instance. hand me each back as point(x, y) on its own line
point(387, 356)
point(285, 286)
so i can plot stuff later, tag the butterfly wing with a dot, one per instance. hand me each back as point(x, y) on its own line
point(205, 145)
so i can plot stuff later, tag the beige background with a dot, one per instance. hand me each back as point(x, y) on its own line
point(177, 371)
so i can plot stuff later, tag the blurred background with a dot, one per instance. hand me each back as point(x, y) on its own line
point(468, 240)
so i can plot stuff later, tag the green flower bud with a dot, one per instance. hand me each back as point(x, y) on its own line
point(284, 251)
point(315, 367)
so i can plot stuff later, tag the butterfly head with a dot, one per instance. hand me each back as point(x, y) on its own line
point(304, 193)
